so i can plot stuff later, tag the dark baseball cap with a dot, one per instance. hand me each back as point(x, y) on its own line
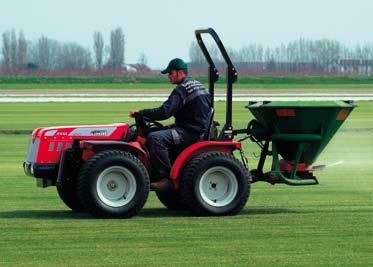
point(175, 64)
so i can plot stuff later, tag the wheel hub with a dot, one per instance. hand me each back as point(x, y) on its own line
point(218, 186)
point(112, 185)
point(116, 186)
point(213, 185)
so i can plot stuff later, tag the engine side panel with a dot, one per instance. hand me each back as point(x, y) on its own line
point(47, 144)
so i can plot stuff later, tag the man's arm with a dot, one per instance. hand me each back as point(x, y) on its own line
point(168, 108)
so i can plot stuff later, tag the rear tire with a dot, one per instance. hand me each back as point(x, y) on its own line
point(113, 184)
point(215, 183)
point(171, 200)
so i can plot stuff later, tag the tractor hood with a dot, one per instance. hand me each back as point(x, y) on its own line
point(109, 131)
point(47, 144)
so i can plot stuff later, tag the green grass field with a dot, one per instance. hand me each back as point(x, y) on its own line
point(19, 82)
point(326, 225)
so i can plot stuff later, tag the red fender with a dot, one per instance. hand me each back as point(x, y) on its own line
point(197, 149)
point(92, 147)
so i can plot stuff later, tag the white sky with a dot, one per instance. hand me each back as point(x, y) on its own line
point(164, 29)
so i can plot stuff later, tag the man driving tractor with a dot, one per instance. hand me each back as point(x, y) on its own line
point(190, 104)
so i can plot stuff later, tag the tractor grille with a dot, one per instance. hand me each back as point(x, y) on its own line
point(33, 149)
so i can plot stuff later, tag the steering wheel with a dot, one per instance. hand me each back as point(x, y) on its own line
point(145, 125)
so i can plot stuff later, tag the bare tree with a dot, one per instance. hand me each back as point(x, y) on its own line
point(358, 52)
point(50, 54)
point(195, 54)
point(6, 49)
point(143, 60)
point(367, 51)
point(260, 53)
point(72, 56)
point(250, 53)
point(245, 53)
point(22, 50)
point(106, 57)
point(44, 53)
point(215, 53)
point(268, 55)
point(98, 47)
point(327, 51)
point(233, 54)
point(117, 43)
point(142, 64)
point(13, 49)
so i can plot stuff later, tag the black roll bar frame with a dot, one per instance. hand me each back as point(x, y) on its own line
point(213, 77)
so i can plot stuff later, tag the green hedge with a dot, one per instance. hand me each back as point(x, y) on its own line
point(163, 79)
point(81, 79)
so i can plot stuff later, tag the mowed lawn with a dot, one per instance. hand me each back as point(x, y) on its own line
point(326, 225)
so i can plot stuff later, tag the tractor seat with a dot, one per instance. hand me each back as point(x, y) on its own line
point(211, 132)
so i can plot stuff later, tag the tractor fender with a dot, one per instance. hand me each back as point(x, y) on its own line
point(91, 148)
point(197, 149)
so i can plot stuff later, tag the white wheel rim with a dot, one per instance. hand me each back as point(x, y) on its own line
point(116, 186)
point(218, 186)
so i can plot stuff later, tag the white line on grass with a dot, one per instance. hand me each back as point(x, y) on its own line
point(166, 95)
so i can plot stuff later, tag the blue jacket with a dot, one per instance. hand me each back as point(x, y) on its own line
point(189, 103)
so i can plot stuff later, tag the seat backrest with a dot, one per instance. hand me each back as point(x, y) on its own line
point(211, 131)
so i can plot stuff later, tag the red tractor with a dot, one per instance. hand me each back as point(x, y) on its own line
point(105, 170)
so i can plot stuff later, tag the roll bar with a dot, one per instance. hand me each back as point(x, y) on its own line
point(213, 76)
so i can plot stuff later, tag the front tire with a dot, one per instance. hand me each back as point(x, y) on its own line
point(67, 190)
point(113, 184)
point(215, 183)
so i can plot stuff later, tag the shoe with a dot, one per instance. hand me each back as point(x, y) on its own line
point(162, 185)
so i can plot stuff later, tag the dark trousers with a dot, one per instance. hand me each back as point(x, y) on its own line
point(160, 142)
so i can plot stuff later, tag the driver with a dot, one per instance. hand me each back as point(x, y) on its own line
point(190, 104)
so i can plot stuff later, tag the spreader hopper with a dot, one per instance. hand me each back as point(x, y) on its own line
point(299, 131)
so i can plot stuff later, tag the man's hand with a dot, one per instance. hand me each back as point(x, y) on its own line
point(133, 112)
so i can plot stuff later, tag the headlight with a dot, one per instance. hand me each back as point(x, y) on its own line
point(32, 169)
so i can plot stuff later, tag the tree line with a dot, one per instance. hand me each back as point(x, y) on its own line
point(328, 55)
point(301, 50)
point(49, 54)
point(302, 54)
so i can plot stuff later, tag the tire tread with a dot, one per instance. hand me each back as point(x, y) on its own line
point(83, 184)
point(187, 180)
